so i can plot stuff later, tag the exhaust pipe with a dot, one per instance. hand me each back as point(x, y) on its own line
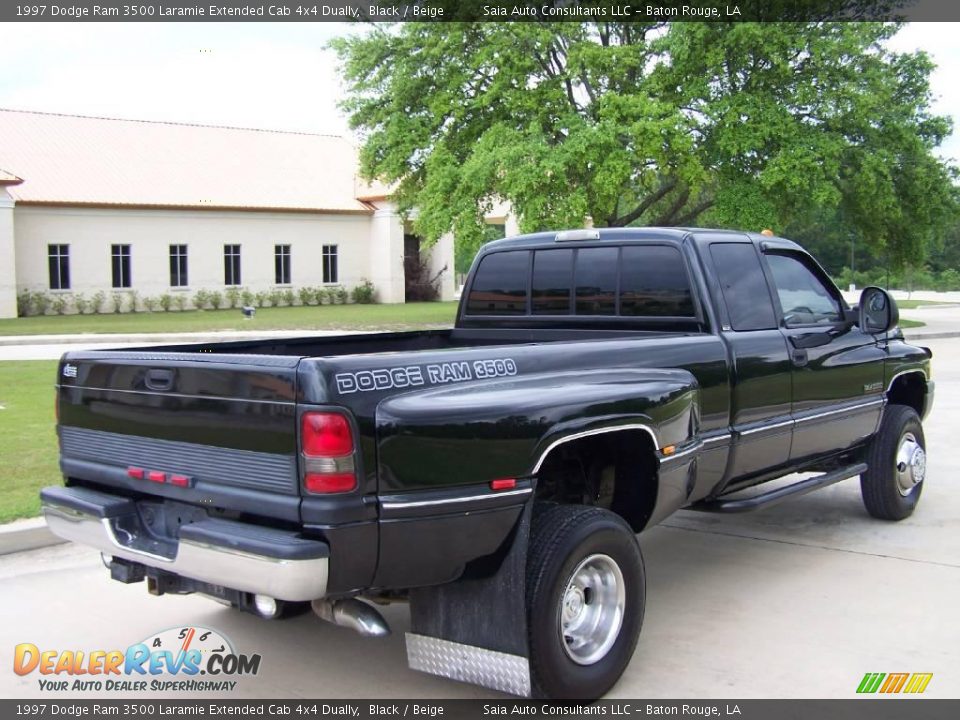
point(352, 613)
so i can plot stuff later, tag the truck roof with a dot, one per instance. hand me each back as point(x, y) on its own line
point(623, 234)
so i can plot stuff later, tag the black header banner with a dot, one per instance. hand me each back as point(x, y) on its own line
point(638, 11)
point(872, 709)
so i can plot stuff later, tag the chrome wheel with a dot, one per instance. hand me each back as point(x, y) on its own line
point(911, 463)
point(591, 609)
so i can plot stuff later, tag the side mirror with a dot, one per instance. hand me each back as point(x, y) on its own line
point(878, 311)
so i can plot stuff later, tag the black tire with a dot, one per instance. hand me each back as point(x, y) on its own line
point(884, 494)
point(563, 537)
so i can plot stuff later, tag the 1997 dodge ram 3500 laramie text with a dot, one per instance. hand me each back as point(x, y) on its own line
point(494, 475)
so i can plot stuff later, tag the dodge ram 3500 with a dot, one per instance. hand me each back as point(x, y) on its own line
point(495, 475)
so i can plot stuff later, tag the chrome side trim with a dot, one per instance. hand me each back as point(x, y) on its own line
point(907, 372)
point(840, 411)
point(388, 505)
point(716, 438)
point(294, 580)
point(588, 433)
point(469, 663)
point(765, 428)
point(219, 398)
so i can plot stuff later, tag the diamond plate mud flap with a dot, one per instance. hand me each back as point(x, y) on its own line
point(475, 629)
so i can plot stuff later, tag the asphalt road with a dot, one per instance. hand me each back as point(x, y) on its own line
point(798, 600)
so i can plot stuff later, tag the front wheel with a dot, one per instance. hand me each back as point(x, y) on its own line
point(585, 600)
point(896, 465)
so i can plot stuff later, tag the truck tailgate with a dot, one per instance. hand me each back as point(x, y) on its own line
point(217, 431)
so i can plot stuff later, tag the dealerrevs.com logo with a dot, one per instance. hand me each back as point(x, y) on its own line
point(891, 683)
point(179, 659)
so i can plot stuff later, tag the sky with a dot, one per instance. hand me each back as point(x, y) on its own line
point(276, 76)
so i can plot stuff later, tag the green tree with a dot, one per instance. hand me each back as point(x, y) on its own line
point(737, 124)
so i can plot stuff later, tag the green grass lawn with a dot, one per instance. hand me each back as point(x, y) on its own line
point(914, 304)
point(907, 324)
point(29, 456)
point(320, 317)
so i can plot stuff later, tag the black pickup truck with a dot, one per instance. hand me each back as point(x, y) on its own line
point(495, 475)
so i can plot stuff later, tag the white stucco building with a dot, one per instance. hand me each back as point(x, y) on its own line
point(93, 204)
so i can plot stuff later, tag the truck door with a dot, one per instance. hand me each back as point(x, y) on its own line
point(760, 365)
point(837, 369)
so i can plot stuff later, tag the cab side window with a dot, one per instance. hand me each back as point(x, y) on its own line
point(743, 286)
point(804, 297)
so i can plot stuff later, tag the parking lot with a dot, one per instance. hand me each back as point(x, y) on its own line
point(798, 600)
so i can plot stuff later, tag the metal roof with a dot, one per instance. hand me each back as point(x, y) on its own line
point(77, 160)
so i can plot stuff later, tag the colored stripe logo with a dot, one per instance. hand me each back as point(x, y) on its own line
point(889, 683)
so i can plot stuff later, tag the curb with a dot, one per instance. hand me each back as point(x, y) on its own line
point(23, 535)
point(163, 338)
point(931, 336)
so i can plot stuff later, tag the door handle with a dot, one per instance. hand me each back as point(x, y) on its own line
point(159, 379)
point(799, 357)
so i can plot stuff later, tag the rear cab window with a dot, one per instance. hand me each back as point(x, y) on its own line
point(603, 282)
point(501, 284)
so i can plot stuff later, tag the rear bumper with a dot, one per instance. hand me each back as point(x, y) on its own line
point(231, 554)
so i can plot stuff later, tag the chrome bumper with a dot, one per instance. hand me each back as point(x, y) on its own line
point(226, 553)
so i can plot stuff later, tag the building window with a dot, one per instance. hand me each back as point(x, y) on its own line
point(58, 260)
point(231, 264)
point(120, 264)
point(281, 264)
point(330, 274)
point(178, 266)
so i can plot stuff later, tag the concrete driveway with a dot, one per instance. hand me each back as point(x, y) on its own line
point(799, 600)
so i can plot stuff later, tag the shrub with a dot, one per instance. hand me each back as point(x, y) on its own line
point(216, 299)
point(289, 297)
point(247, 297)
point(81, 303)
point(98, 301)
point(116, 301)
point(41, 302)
point(166, 302)
point(60, 304)
point(364, 293)
point(200, 299)
point(949, 280)
point(233, 295)
point(419, 285)
point(24, 303)
point(275, 297)
point(149, 303)
point(180, 300)
point(342, 295)
point(261, 299)
point(307, 295)
point(134, 300)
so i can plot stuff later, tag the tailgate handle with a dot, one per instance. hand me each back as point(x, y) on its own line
point(159, 379)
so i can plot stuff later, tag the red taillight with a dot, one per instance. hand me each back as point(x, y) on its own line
point(135, 472)
point(156, 476)
point(326, 435)
point(330, 483)
point(503, 484)
point(327, 443)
